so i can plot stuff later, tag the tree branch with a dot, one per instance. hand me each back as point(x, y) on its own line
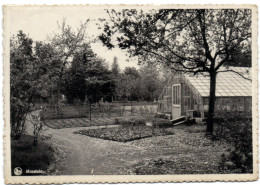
point(230, 70)
point(203, 32)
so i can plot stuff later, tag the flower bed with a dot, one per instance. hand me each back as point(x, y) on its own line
point(125, 133)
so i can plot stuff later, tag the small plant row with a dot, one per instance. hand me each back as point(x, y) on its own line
point(155, 122)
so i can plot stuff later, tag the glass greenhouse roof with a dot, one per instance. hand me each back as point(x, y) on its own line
point(228, 83)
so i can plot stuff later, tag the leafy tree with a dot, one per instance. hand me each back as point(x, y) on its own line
point(74, 86)
point(190, 41)
point(151, 82)
point(115, 69)
point(240, 58)
point(33, 76)
point(99, 81)
point(120, 87)
point(48, 65)
point(131, 83)
point(21, 84)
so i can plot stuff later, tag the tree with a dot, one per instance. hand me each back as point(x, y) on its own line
point(150, 80)
point(28, 79)
point(99, 81)
point(190, 41)
point(37, 121)
point(240, 57)
point(74, 83)
point(67, 43)
point(21, 87)
point(131, 83)
point(33, 76)
point(48, 65)
point(115, 70)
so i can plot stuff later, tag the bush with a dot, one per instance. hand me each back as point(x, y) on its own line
point(68, 112)
point(27, 156)
point(159, 123)
point(141, 110)
point(238, 132)
point(82, 109)
point(37, 121)
point(160, 115)
point(130, 122)
point(19, 110)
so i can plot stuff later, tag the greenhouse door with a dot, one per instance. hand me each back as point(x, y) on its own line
point(176, 101)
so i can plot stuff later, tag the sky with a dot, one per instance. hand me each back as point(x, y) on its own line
point(39, 22)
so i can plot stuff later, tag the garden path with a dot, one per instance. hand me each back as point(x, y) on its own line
point(188, 149)
point(85, 155)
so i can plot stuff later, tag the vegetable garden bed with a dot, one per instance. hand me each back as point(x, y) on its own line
point(125, 133)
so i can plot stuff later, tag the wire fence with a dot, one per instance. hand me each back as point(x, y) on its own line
point(101, 109)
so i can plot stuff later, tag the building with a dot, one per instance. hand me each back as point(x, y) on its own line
point(188, 94)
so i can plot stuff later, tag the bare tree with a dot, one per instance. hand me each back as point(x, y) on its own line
point(37, 122)
point(67, 43)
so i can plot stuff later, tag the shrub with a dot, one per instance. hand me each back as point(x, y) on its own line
point(238, 132)
point(19, 110)
point(159, 123)
point(130, 122)
point(133, 110)
point(161, 115)
point(146, 109)
point(37, 122)
point(141, 110)
point(68, 112)
point(190, 121)
point(82, 109)
point(27, 156)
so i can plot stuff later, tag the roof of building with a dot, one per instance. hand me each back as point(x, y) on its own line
point(228, 84)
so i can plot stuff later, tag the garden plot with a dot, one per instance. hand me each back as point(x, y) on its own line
point(126, 133)
point(187, 151)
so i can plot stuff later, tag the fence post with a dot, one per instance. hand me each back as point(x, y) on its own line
point(131, 106)
point(89, 111)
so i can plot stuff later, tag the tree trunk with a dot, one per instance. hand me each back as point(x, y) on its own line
point(59, 82)
point(35, 140)
point(212, 95)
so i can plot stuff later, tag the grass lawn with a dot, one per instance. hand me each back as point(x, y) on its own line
point(125, 133)
point(29, 157)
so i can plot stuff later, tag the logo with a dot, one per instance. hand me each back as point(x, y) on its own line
point(18, 171)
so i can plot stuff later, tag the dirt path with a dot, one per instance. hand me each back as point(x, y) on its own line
point(87, 155)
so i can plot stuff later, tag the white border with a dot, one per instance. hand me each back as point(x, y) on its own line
point(96, 2)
